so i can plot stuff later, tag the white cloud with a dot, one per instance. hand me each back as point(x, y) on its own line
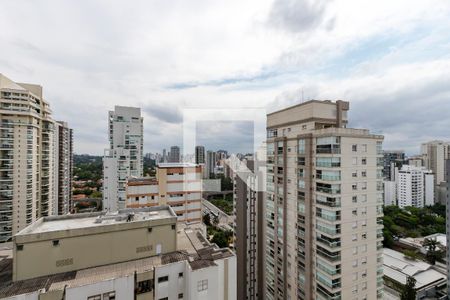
point(92, 55)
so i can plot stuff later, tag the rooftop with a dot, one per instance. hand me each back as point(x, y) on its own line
point(177, 165)
point(399, 268)
point(97, 219)
point(193, 249)
point(142, 181)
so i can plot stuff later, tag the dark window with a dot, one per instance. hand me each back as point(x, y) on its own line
point(180, 296)
point(163, 279)
point(180, 274)
point(56, 243)
point(149, 229)
point(19, 247)
point(173, 227)
point(144, 286)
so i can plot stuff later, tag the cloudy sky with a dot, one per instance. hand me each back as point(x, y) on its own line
point(390, 59)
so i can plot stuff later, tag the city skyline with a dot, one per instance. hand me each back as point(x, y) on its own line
point(274, 55)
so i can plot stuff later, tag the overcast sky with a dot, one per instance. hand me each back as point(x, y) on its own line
point(390, 59)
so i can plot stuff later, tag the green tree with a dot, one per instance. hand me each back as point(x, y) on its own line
point(409, 291)
point(207, 220)
point(434, 253)
point(221, 239)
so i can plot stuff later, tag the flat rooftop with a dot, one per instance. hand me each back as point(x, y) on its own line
point(177, 165)
point(97, 219)
point(142, 181)
point(192, 248)
point(399, 268)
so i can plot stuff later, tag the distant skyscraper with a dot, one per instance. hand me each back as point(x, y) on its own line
point(414, 186)
point(249, 226)
point(29, 153)
point(164, 156)
point(210, 163)
point(435, 153)
point(392, 159)
point(199, 155)
point(65, 167)
point(124, 158)
point(174, 155)
point(324, 214)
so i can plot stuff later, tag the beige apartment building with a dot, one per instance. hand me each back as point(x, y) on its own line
point(324, 202)
point(178, 185)
point(130, 254)
point(29, 157)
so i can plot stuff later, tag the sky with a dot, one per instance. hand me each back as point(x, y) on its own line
point(390, 59)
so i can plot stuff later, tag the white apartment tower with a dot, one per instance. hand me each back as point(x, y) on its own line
point(124, 158)
point(29, 157)
point(414, 186)
point(324, 197)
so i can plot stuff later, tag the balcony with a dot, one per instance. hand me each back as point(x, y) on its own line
point(334, 230)
point(328, 188)
point(328, 201)
point(330, 243)
point(326, 295)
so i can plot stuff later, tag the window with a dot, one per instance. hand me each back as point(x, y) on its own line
point(301, 161)
point(364, 236)
point(180, 275)
point(144, 286)
point(355, 276)
point(165, 298)
point(364, 173)
point(109, 296)
point(95, 297)
point(364, 260)
point(149, 229)
point(354, 237)
point(354, 225)
point(304, 126)
point(364, 185)
point(354, 148)
point(354, 161)
point(163, 279)
point(364, 148)
point(354, 199)
point(354, 174)
point(56, 243)
point(364, 248)
point(202, 285)
point(173, 227)
point(301, 146)
point(180, 296)
point(355, 250)
point(364, 161)
point(354, 212)
point(355, 263)
point(354, 186)
point(19, 247)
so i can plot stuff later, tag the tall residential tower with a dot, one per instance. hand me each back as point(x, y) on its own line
point(323, 205)
point(29, 157)
point(124, 158)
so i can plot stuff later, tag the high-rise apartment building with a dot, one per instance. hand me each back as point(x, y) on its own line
point(199, 154)
point(435, 153)
point(391, 160)
point(248, 229)
point(210, 163)
point(447, 173)
point(324, 198)
point(65, 167)
point(174, 155)
point(29, 157)
point(124, 158)
point(414, 186)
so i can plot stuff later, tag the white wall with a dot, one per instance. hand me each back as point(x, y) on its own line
point(123, 286)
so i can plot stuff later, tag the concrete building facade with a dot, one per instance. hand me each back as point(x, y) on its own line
point(124, 158)
point(434, 155)
point(174, 155)
point(178, 185)
point(131, 254)
point(414, 186)
point(392, 159)
point(29, 157)
point(199, 154)
point(65, 167)
point(323, 205)
point(248, 232)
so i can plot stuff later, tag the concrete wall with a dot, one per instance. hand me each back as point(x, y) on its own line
point(40, 258)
